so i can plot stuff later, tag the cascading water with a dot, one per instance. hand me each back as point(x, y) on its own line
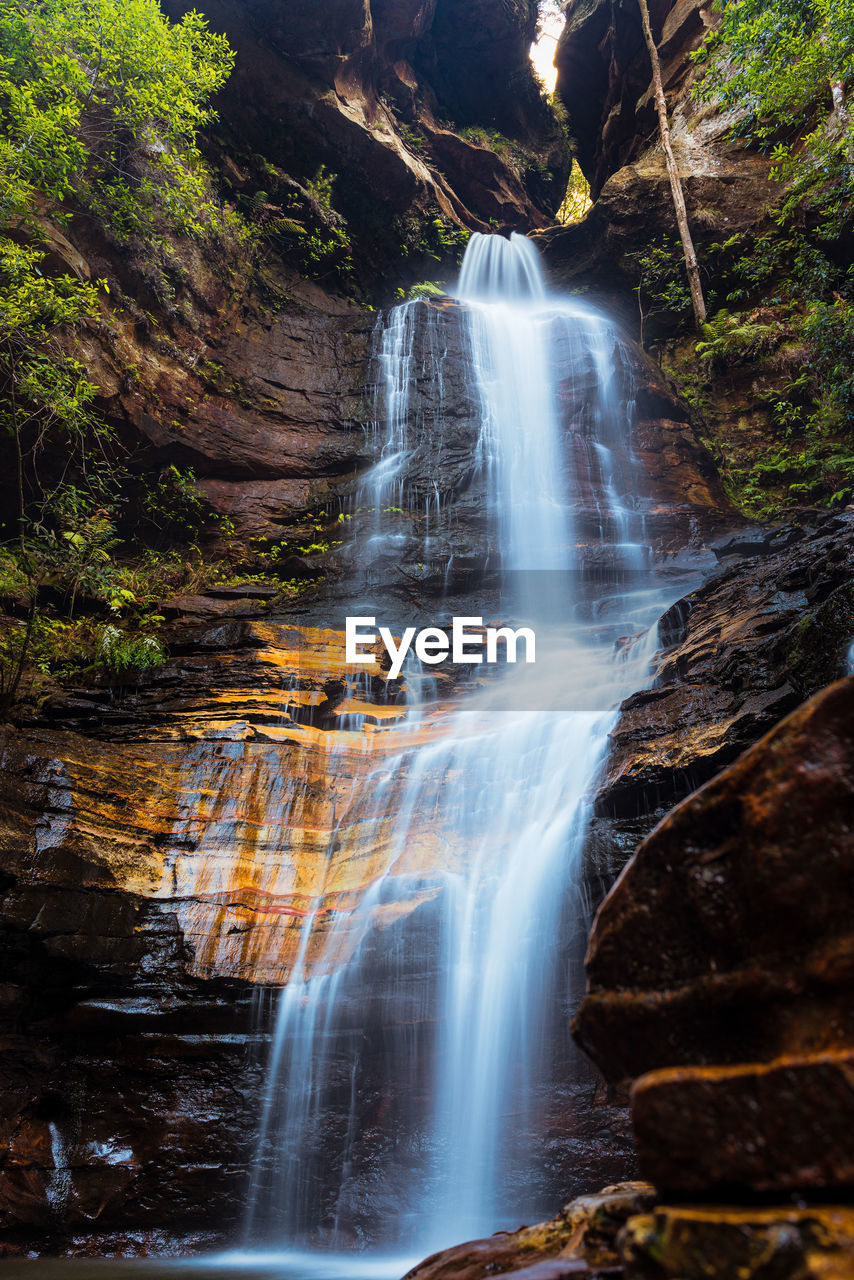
point(415, 1052)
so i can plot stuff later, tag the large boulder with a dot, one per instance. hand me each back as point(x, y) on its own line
point(766, 631)
point(728, 936)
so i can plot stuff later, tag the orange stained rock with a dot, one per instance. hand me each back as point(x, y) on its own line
point(245, 822)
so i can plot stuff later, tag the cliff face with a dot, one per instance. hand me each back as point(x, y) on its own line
point(604, 81)
point(378, 93)
point(164, 838)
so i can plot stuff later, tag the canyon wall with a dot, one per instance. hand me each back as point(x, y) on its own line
point(162, 836)
point(605, 83)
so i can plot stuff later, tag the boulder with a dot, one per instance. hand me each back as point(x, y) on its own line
point(767, 1127)
point(728, 937)
point(580, 1241)
point(719, 1243)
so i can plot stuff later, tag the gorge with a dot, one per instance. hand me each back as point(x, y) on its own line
point(292, 945)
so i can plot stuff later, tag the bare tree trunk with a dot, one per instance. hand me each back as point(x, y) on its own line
point(691, 266)
point(843, 118)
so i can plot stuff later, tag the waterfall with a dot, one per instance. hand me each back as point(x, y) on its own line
point(415, 1052)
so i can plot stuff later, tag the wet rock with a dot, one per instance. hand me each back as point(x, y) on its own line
point(776, 1127)
point(744, 649)
point(728, 937)
point(581, 1240)
point(786, 1243)
point(445, 481)
point(126, 1091)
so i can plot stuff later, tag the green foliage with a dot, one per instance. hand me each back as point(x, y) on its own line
point(43, 392)
point(779, 60)
point(121, 653)
point(728, 335)
point(436, 237)
point(662, 289)
point(100, 103)
point(175, 506)
point(520, 160)
point(427, 289)
point(35, 652)
point(491, 140)
point(829, 330)
point(576, 202)
point(303, 223)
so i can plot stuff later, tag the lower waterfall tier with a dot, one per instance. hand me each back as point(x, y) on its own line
point(132, 1036)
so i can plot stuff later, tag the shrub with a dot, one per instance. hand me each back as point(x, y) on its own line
point(121, 652)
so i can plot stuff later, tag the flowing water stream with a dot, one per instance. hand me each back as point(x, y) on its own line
point(468, 997)
point(422, 1035)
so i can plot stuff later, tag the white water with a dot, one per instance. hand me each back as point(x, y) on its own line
point(440, 1040)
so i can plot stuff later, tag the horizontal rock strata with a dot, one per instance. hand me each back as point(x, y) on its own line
point(769, 1127)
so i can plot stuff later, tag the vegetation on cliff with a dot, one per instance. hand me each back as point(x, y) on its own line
point(771, 376)
point(100, 103)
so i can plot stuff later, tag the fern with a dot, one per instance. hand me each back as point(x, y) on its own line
point(426, 289)
point(734, 335)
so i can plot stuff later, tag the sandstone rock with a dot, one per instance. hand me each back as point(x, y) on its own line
point(777, 1127)
point(362, 88)
point(604, 80)
point(758, 637)
point(688, 508)
point(728, 937)
point(167, 1072)
point(581, 1240)
point(264, 509)
point(297, 414)
point(203, 608)
point(679, 1243)
point(120, 975)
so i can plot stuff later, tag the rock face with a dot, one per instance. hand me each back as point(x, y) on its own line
point(220, 803)
point(445, 492)
point(765, 632)
point(625, 1232)
point(155, 873)
point(727, 941)
point(379, 89)
point(232, 362)
point(604, 81)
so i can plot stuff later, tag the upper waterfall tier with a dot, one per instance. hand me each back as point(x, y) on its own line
point(495, 269)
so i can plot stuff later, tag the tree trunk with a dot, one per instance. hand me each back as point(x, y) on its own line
point(697, 299)
point(843, 118)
